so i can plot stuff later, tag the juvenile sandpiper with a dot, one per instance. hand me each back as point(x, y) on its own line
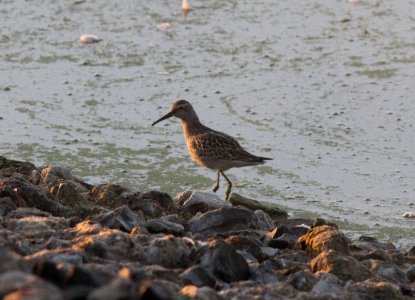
point(210, 148)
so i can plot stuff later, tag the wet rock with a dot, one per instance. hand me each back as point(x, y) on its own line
point(302, 280)
point(122, 218)
point(198, 276)
point(343, 266)
point(275, 212)
point(6, 206)
point(57, 256)
point(375, 290)
point(12, 261)
point(224, 262)
point(112, 195)
point(164, 226)
point(296, 230)
point(224, 220)
point(202, 293)
point(168, 251)
point(200, 201)
point(158, 290)
point(153, 204)
point(8, 167)
point(70, 193)
point(387, 270)
point(323, 238)
point(327, 283)
point(20, 285)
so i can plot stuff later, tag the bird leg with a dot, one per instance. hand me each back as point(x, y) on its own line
point(229, 188)
point(217, 183)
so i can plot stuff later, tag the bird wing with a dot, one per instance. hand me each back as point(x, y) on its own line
point(214, 144)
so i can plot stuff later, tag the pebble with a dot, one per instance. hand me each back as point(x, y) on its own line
point(89, 39)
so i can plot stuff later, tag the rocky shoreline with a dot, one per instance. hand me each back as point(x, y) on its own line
point(61, 238)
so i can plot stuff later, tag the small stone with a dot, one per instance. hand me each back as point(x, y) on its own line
point(164, 226)
point(200, 201)
point(164, 26)
point(198, 276)
point(89, 39)
point(122, 218)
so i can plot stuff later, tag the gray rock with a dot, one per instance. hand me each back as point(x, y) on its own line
point(246, 243)
point(387, 270)
point(264, 273)
point(158, 290)
point(224, 262)
point(375, 290)
point(9, 166)
point(153, 204)
point(20, 285)
point(6, 206)
point(50, 175)
point(122, 218)
point(327, 283)
point(112, 195)
point(276, 213)
point(223, 220)
point(168, 251)
point(264, 220)
point(12, 261)
point(164, 226)
point(118, 289)
point(198, 276)
point(201, 201)
point(200, 293)
point(302, 280)
point(410, 273)
point(284, 241)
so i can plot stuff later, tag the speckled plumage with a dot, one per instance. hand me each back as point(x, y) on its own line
point(210, 148)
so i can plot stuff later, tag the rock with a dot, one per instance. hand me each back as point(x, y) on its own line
point(275, 212)
point(25, 194)
point(375, 290)
point(6, 206)
point(200, 201)
point(387, 270)
point(410, 273)
point(202, 293)
point(89, 39)
point(108, 243)
point(224, 262)
point(264, 220)
point(158, 290)
point(122, 218)
point(70, 193)
point(112, 195)
point(8, 167)
point(343, 266)
point(118, 289)
point(164, 226)
point(264, 273)
point(20, 285)
point(247, 291)
point(198, 276)
point(153, 204)
point(283, 242)
point(248, 244)
point(223, 220)
point(302, 280)
point(323, 238)
point(411, 251)
point(57, 256)
point(297, 230)
point(51, 175)
point(12, 261)
point(327, 283)
point(168, 251)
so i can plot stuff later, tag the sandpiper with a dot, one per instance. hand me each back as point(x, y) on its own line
point(210, 148)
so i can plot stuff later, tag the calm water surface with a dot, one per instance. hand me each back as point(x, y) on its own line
point(326, 88)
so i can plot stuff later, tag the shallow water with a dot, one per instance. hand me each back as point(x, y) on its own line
point(324, 87)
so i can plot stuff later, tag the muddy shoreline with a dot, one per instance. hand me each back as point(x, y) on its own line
point(62, 238)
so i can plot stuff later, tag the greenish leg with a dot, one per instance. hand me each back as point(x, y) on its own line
point(217, 183)
point(229, 188)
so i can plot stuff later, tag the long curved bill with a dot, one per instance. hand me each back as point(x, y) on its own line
point(166, 116)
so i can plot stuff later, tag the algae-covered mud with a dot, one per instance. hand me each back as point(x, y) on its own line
point(324, 87)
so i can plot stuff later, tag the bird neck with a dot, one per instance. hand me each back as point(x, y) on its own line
point(191, 126)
